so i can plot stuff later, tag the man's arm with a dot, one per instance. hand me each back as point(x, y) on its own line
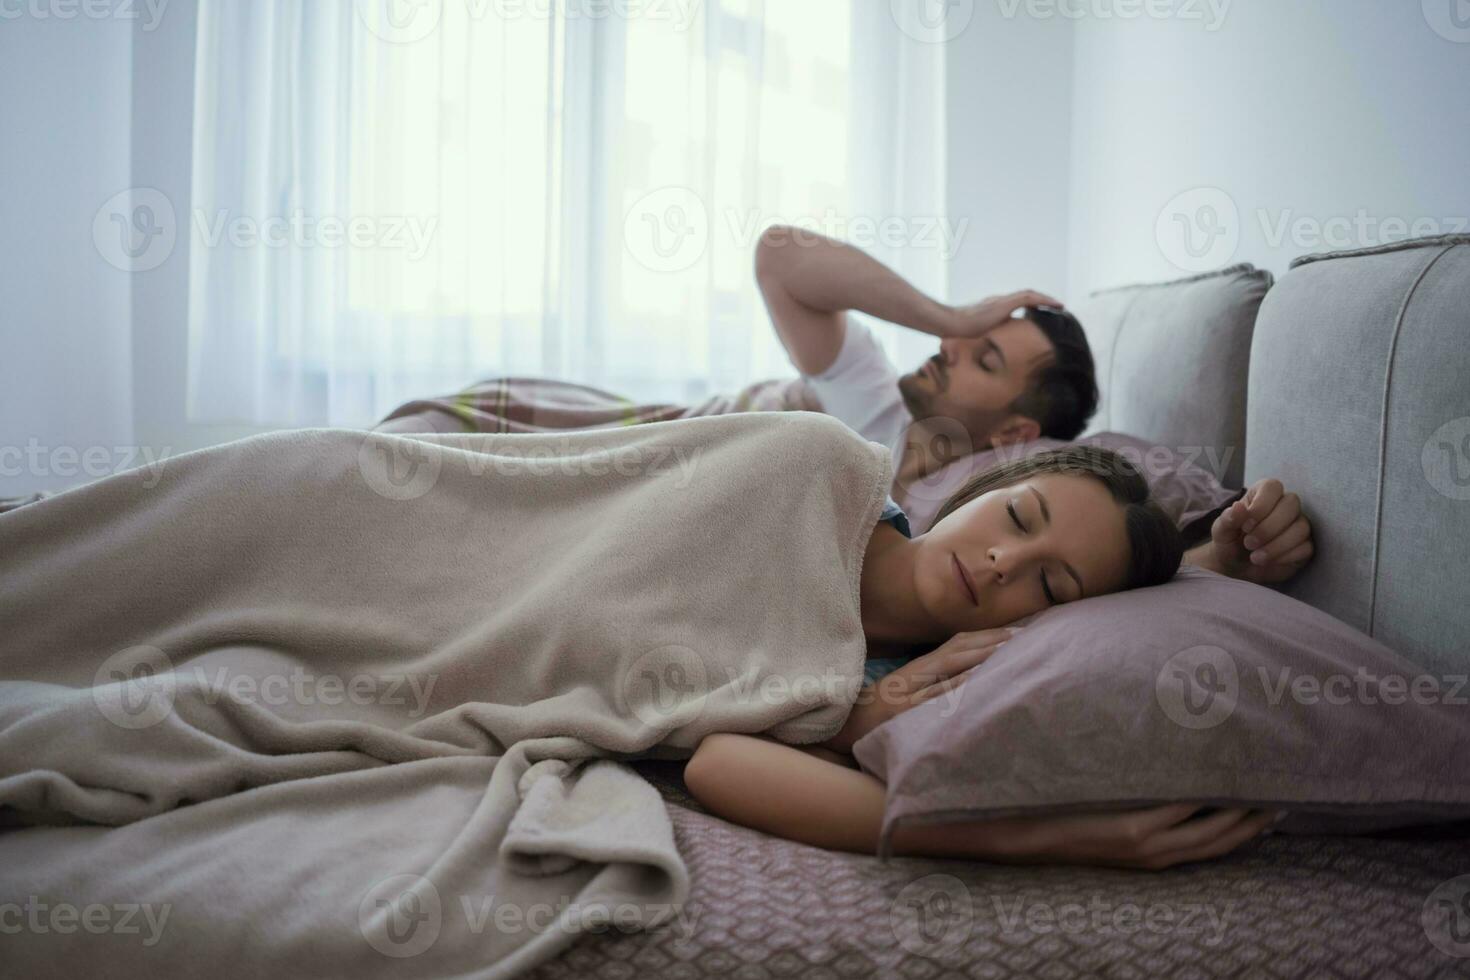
point(809, 281)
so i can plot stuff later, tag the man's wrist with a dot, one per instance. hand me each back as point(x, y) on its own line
point(934, 318)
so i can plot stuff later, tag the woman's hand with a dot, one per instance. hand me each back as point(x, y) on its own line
point(978, 319)
point(1263, 537)
point(924, 678)
point(1150, 839)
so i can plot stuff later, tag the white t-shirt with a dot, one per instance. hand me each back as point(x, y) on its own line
point(860, 389)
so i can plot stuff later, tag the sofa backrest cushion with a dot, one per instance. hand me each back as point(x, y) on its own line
point(1172, 359)
point(1360, 402)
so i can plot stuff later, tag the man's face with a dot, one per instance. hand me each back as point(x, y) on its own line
point(975, 381)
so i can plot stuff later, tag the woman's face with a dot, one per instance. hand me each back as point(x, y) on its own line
point(1050, 539)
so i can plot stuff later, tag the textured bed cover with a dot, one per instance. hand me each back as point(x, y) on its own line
point(762, 907)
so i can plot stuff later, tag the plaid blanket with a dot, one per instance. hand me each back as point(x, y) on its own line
point(543, 405)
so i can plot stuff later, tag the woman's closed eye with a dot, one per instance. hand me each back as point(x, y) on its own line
point(1051, 598)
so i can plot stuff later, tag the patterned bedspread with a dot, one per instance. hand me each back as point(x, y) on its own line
point(762, 907)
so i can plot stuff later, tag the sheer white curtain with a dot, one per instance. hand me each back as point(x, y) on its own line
point(393, 198)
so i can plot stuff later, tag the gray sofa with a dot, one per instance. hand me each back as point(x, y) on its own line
point(1360, 395)
point(1350, 380)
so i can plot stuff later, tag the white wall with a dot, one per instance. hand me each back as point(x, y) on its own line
point(162, 156)
point(1009, 154)
point(95, 356)
point(64, 312)
point(1331, 116)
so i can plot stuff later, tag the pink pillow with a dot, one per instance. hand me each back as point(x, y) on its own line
point(1202, 689)
point(1181, 479)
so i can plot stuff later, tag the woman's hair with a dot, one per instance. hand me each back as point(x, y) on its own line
point(1155, 544)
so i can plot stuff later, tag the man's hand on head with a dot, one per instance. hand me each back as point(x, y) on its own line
point(978, 319)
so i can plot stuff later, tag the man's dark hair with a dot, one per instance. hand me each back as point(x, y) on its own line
point(1063, 395)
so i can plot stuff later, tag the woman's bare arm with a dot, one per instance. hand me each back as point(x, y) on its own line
point(780, 789)
point(798, 794)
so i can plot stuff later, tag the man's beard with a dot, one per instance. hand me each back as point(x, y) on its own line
point(918, 397)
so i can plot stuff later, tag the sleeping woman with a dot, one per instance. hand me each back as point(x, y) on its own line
point(298, 605)
point(1017, 539)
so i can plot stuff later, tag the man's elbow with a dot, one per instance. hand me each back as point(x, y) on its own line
point(770, 251)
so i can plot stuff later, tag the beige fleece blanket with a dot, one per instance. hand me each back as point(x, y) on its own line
point(333, 703)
